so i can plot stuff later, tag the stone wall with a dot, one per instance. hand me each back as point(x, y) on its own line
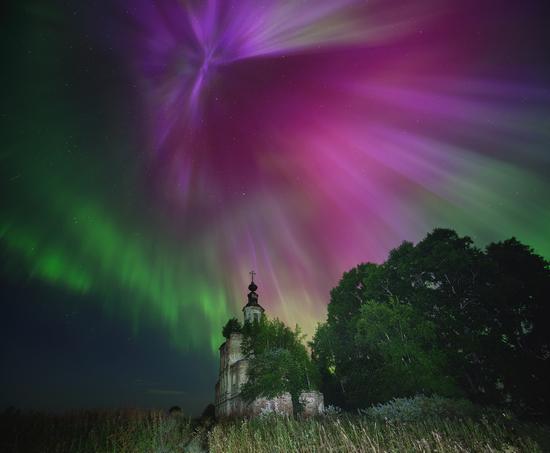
point(234, 373)
point(231, 377)
point(234, 353)
point(313, 403)
point(280, 405)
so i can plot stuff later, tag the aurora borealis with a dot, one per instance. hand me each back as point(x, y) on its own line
point(154, 152)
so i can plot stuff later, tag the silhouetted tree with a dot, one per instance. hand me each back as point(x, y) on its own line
point(209, 412)
point(516, 300)
point(232, 326)
point(175, 410)
point(440, 316)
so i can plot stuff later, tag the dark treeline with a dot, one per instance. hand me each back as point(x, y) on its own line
point(440, 317)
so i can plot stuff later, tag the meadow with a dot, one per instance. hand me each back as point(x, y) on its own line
point(360, 434)
point(125, 431)
point(139, 431)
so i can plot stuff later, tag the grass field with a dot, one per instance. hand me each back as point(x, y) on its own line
point(359, 434)
point(155, 432)
point(129, 431)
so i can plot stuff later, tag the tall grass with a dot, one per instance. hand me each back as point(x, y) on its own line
point(360, 434)
point(155, 432)
point(129, 431)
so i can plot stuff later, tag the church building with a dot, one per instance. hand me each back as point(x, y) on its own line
point(233, 364)
point(234, 373)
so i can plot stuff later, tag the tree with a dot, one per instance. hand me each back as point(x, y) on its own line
point(278, 361)
point(322, 355)
point(465, 314)
point(232, 326)
point(404, 344)
point(340, 362)
point(516, 327)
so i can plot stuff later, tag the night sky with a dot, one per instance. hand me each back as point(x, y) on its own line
point(154, 152)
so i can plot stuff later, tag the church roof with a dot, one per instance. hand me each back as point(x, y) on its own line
point(253, 295)
point(256, 304)
point(253, 301)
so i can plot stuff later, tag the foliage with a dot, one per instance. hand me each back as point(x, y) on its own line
point(363, 434)
point(129, 431)
point(278, 361)
point(440, 316)
point(514, 329)
point(404, 345)
point(421, 408)
point(232, 326)
point(209, 412)
point(332, 411)
point(175, 410)
point(324, 357)
point(267, 334)
point(155, 432)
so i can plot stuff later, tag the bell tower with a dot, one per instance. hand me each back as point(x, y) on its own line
point(252, 310)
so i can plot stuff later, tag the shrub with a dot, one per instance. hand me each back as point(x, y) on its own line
point(420, 408)
point(332, 411)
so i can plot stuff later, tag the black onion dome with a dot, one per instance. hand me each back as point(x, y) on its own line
point(253, 296)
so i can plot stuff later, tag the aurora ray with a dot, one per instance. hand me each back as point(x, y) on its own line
point(178, 144)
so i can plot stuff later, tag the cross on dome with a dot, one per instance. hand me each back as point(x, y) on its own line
point(253, 287)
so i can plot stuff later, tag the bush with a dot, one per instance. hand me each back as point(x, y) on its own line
point(420, 408)
point(332, 411)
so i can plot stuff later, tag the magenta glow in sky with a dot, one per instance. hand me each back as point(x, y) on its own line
point(296, 138)
point(300, 138)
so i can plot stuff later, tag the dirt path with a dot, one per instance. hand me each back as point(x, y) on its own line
point(196, 445)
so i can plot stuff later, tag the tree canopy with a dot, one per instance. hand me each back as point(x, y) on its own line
point(232, 326)
point(278, 361)
point(441, 316)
